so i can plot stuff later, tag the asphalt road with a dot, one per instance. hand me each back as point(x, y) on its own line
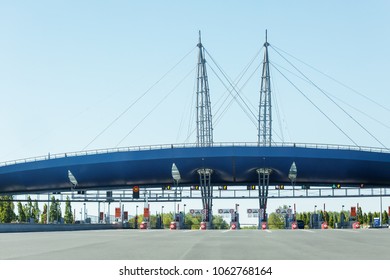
point(366, 244)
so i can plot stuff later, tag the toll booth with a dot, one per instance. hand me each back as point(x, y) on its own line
point(136, 222)
point(289, 220)
point(235, 221)
point(159, 223)
point(315, 221)
point(376, 223)
point(342, 220)
point(263, 222)
point(178, 222)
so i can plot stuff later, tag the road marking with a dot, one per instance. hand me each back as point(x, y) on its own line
point(348, 230)
point(308, 230)
point(225, 231)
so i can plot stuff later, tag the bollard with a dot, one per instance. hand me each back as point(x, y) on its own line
point(356, 225)
point(172, 226)
point(294, 225)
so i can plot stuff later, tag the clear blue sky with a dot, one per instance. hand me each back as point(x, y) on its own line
point(69, 68)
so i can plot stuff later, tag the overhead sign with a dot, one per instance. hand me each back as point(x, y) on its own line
point(225, 211)
point(196, 212)
point(146, 212)
point(353, 211)
point(117, 212)
point(254, 212)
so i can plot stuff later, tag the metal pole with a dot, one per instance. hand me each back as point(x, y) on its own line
point(162, 216)
point(108, 213)
point(48, 207)
point(98, 212)
point(85, 213)
point(380, 214)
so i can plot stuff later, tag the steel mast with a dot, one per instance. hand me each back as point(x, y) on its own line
point(265, 106)
point(204, 125)
point(204, 134)
point(264, 135)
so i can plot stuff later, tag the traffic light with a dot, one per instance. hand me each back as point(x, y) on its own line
point(136, 192)
point(167, 188)
point(223, 188)
point(251, 187)
point(336, 186)
point(279, 187)
point(196, 188)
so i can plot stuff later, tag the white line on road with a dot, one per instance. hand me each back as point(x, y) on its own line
point(308, 230)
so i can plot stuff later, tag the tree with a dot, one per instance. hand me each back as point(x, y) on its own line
point(68, 217)
point(21, 214)
point(365, 218)
point(307, 220)
point(167, 219)
point(29, 209)
point(360, 217)
point(54, 210)
point(385, 217)
point(44, 214)
point(276, 221)
point(188, 221)
point(336, 218)
point(331, 220)
point(7, 213)
point(326, 217)
point(219, 223)
point(370, 219)
point(27, 213)
point(35, 211)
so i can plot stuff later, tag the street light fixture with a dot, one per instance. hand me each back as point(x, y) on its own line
point(176, 178)
point(136, 217)
point(162, 216)
point(292, 175)
point(184, 217)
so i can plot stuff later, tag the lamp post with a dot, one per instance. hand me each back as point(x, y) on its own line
point(292, 175)
point(184, 217)
point(380, 215)
point(85, 214)
point(162, 216)
point(136, 217)
point(176, 178)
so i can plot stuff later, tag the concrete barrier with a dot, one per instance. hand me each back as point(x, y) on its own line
point(56, 227)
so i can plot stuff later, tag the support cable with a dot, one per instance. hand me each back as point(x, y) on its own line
point(233, 87)
point(339, 99)
point(136, 101)
point(156, 106)
point(336, 81)
point(334, 102)
point(318, 108)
